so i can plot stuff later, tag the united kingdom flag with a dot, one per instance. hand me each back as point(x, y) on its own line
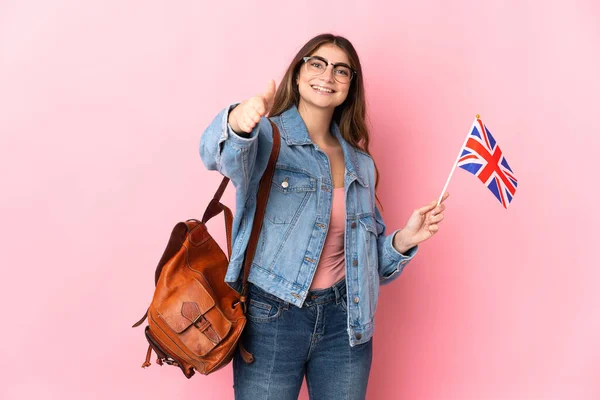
point(482, 157)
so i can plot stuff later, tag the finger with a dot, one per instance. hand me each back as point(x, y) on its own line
point(439, 209)
point(250, 122)
point(425, 209)
point(269, 94)
point(248, 125)
point(245, 128)
point(436, 219)
point(433, 228)
point(444, 197)
point(259, 105)
point(248, 115)
point(271, 89)
point(254, 115)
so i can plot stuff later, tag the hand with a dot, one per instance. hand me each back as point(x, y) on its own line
point(246, 115)
point(422, 224)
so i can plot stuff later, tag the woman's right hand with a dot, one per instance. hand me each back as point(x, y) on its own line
point(246, 115)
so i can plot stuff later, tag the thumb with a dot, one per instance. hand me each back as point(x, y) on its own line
point(269, 94)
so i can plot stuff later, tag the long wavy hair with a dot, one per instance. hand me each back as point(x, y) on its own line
point(350, 116)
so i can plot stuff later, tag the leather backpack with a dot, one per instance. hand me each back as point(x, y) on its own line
point(195, 319)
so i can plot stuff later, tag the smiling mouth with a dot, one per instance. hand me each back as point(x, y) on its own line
point(322, 89)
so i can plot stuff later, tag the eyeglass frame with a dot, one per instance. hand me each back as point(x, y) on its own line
point(328, 63)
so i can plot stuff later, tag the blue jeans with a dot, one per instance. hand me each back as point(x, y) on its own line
point(288, 342)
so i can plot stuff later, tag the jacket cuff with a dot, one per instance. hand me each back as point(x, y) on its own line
point(393, 255)
point(395, 258)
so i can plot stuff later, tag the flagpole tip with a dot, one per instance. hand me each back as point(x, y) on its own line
point(477, 116)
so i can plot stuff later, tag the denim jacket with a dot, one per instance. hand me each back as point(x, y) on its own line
point(298, 212)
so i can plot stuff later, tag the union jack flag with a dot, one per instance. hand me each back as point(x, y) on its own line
point(482, 157)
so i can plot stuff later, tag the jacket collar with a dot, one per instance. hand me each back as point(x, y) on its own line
point(294, 132)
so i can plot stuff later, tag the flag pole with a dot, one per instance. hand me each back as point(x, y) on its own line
point(456, 162)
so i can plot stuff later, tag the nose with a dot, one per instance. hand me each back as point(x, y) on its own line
point(327, 75)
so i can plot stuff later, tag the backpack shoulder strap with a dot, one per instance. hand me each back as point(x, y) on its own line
point(263, 196)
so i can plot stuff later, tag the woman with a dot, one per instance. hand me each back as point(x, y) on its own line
point(323, 250)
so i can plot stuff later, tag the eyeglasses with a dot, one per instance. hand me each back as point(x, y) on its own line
point(316, 65)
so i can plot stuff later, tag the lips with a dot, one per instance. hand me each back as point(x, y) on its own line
point(322, 89)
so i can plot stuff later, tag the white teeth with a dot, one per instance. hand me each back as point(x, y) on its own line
point(322, 89)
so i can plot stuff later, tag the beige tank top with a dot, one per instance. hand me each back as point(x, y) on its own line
point(332, 265)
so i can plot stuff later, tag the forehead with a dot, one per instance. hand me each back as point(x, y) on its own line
point(332, 53)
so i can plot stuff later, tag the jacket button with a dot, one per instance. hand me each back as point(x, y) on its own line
point(356, 299)
point(358, 336)
point(353, 225)
point(355, 262)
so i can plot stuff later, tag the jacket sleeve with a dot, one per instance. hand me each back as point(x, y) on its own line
point(391, 262)
point(234, 156)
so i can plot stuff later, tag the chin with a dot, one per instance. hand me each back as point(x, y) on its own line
point(322, 103)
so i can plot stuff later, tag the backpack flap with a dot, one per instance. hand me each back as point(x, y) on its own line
point(191, 313)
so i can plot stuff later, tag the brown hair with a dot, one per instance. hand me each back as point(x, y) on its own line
point(350, 116)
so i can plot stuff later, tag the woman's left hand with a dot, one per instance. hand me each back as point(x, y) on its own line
point(422, 224)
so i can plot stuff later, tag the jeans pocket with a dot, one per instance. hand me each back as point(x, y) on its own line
point(262, 309)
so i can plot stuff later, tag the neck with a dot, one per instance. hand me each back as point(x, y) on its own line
point(317, 121)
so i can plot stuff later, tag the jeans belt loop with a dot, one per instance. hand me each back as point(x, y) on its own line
point(337, 294)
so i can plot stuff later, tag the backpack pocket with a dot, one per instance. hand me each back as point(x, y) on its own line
point(191, 313)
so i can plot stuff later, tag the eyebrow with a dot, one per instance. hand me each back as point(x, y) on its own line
point(334, 64)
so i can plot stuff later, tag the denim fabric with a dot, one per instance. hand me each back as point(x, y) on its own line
point(298, 212)
point(290, 342)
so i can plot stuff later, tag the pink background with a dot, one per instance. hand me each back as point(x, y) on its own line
point(102, 104)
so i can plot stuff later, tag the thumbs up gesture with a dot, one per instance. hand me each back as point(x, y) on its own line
point(246, 115)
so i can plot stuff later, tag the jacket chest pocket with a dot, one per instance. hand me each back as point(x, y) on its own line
point(369, 228)
point(290, 191)
point(370, 240)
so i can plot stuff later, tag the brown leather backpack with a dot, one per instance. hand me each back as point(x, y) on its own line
point(195, 319)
